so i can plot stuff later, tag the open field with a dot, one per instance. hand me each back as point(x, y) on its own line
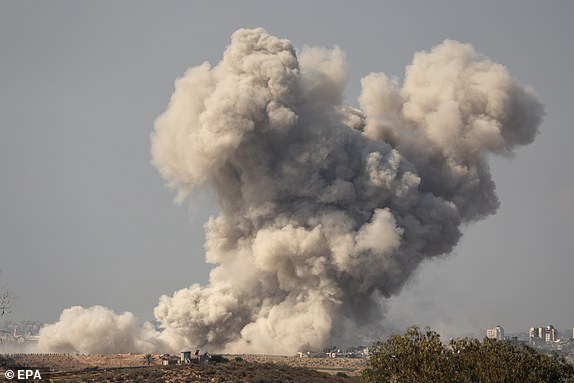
point(349, 366)
point(240, 368)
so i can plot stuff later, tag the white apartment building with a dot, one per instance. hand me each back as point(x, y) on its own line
point(495, 333)
point(545, 334)
point(550, 335)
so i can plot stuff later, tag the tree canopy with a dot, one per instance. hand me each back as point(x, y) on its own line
point(420, 356)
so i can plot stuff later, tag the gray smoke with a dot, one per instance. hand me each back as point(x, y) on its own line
point(325, 209)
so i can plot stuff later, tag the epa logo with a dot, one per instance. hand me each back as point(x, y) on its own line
point(23, 374)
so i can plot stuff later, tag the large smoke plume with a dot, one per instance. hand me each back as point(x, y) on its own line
point(324, 209)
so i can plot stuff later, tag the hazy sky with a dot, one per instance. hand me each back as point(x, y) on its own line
point(85, 218)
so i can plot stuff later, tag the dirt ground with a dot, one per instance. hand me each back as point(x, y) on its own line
point(67, 368)
point(350, 366)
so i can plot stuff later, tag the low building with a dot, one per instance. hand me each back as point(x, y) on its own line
point(167, 359)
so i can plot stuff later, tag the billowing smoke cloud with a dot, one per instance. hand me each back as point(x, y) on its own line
point(98, 330)
point(325, 209)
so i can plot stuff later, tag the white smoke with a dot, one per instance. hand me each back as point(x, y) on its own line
point(325, 209)
point(98, 330)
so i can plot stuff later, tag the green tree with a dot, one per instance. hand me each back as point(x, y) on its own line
point(420, 356)
point(416, 356)
point(501, 361)
point(148, 359)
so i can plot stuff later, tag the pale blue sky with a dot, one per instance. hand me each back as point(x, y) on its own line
point(85, 218)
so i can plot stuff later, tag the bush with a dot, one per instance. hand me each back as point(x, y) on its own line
point(419, 356)
point(218, 359)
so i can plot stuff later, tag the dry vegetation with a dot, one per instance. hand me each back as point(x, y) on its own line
point(239, 368)
point(348, 366)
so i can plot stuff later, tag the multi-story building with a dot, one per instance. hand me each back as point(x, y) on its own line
point(546, 334)
point(495, 333)
point(550, 334)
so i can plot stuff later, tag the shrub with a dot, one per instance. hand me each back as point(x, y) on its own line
point(218, 359)
point(419, 356)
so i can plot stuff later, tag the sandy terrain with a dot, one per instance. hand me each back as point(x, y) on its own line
point(65, 368)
